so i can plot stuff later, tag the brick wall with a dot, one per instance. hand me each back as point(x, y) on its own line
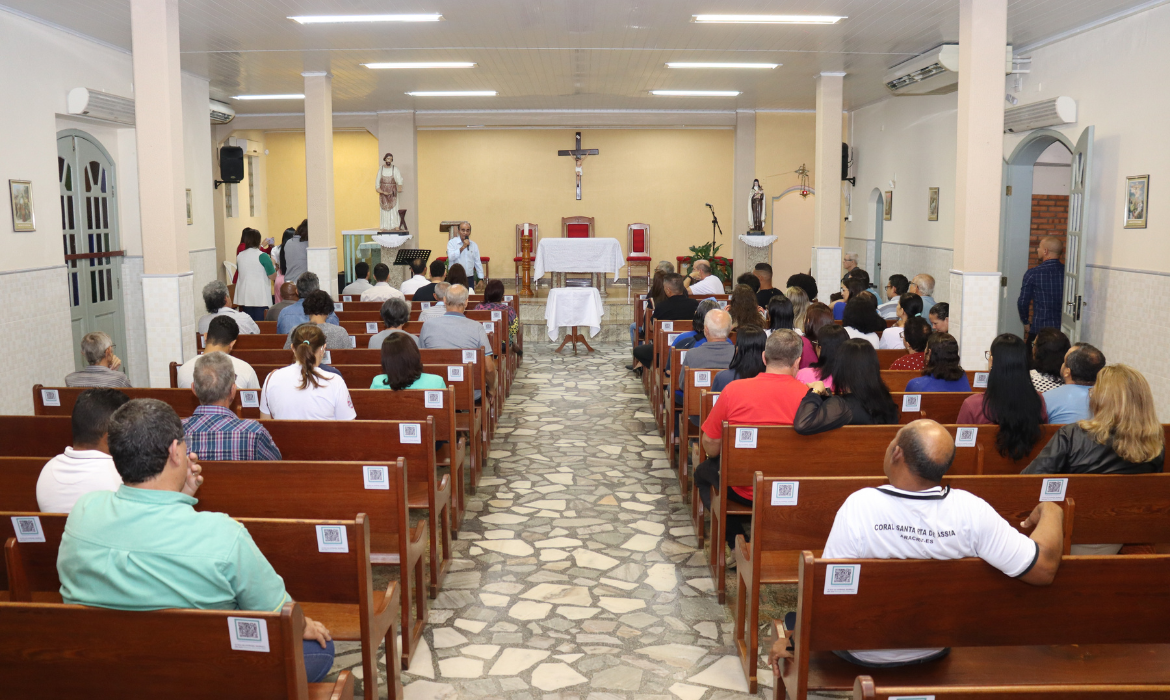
point(1049, 218)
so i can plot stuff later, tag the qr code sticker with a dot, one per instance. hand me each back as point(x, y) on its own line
point(410, 433)
point(841, 579)
point(1052, 486)
point(376, 478)
point(842, 576)
point(27, 529)
point(248, 630)
point(248, 634)
point(331, 535)
point(784, 490)
point(331, 538)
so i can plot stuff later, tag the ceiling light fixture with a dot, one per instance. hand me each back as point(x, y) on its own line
point(421, 64)
point(453, 93)
point(766, 19)
point(695, 93)
point(269, 97)
point(334, 19)
point(722, 65)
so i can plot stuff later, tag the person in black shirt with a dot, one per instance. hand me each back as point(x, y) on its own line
point(766, 291)
point(427, 291)
point(677, 306)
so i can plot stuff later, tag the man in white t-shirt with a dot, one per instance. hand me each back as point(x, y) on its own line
point(701, 281)
point(361, 282)
point(221, 337)
point(219, 303)
point(887, 522)
point(417, 266)
point(87, 465)
point(381, 291)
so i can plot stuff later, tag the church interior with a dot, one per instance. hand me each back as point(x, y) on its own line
point(587, 144)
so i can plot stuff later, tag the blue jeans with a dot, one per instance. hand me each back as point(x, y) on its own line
point(318, 661)
point(634, 335)
point(256, 312)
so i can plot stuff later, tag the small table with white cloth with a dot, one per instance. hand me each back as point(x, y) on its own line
point(597, 256)
point(571, 307)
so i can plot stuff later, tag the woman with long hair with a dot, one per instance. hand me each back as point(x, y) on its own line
point(850, 288)
point(941, 371)
point(800, 303)
point(909, 306)
point(743, 308)
point(277, 256)
point(1011, 402)
point(830, 340)
point(1048, 351)
point(748, 360)
point(456, 275)
point(858, 397)
point(294, 253)
point(861, 319)
point(780, 313)
point(303, 390)
point(817, 317)
point(402, 367)
point(254, 273)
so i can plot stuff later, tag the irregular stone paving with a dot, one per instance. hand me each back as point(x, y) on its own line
point(576, 574)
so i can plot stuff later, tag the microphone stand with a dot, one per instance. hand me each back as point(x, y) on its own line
point(714, 227)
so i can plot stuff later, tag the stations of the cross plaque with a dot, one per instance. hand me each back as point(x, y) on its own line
point(578, 155)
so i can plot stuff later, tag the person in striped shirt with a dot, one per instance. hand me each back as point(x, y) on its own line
point(104, 367)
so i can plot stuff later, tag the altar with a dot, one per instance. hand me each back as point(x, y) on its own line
point(372, 246)
point(597, 256)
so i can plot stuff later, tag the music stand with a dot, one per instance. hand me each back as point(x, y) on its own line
point(406, 255)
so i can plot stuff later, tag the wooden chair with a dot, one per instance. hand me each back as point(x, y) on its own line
point(864, 688)
point(336, 588)
point(578, 227)
point(531, 231)
point(707, 401)
point(56, 651)
point(1029, 636)
point(638, 255)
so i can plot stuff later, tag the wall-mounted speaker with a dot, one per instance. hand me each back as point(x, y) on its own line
point(231, 164)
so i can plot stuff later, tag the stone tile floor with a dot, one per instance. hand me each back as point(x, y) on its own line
point(576, 574)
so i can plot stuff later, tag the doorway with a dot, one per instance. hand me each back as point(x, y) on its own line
point(877, 205)
point(89, 231)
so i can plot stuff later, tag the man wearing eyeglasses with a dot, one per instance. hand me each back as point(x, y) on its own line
point(896, 287)
point(104, 367)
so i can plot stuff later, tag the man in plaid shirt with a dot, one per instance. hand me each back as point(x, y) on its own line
point(1043, 289)
point(215, 433)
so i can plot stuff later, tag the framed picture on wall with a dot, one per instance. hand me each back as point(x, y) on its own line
point(932, 205)
point(20, 194)
point(888, 211)
point(189, 219)
point(1137, 199)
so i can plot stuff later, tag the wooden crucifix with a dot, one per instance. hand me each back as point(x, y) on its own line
point(578, 155)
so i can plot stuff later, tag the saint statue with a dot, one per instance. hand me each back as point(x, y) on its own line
point(757, 204)
point(388, 185)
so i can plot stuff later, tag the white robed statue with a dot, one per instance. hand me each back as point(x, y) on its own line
point(389, 184)
point(757, 206)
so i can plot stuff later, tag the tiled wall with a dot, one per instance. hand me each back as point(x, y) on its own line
point(35, 335)
point(974, 317)
point(203, 267)
point(826, 267)
point(1125, 318)
point(137, 366)
point(911, 260)
point(170, 325)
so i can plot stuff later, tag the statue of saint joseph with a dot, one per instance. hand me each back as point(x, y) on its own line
point(388, 185)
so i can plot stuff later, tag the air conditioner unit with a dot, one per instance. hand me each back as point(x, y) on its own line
point(935, 72)
point(100, 105)
point(1037, 115)
point(221, 113)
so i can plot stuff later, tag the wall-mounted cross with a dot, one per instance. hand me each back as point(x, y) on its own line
point(578, 155)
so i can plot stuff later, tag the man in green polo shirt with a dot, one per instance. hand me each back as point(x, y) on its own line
point(145, 547)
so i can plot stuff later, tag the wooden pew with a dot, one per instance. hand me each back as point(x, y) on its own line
point(1001, 631)
point(896, 379)
point(864, 688)
point(694, 382)
point(375, 441)
point(707, 401)
point(70, 651)
point(662, 340)
point(888, 357)
point(1099, 509)
point(939, 406)
point(183, 401)
point(334, 587)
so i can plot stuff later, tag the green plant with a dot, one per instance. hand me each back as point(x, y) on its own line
point(720, 266)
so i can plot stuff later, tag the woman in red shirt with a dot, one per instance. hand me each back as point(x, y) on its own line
point(914, 337)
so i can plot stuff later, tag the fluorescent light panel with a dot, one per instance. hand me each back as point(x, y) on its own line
point(422, 64)
point(269, 97)
point(695, 93)
point(722, 65)
point(453, 93)
point(335, 19)
point(766, 19)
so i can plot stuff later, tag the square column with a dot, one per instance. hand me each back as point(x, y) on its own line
point(827, 181)
point(975, 281)
point(743, 174)
point(319, 178)
point(167, 286)
point(826, 270)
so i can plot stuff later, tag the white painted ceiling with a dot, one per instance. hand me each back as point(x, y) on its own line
point(558, 54)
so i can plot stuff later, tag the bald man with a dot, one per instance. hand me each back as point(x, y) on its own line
point(714, 352)
point(915, 517)
point(1043, 289)
point(288, 295)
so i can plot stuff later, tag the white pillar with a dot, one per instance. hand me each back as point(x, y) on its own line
point(826, 252)
point(319, 178)
point(975, 281)
point(168, 294)
point(744, 173)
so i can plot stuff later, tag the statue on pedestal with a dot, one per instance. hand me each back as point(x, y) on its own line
point(388, 184)
point(757, 207)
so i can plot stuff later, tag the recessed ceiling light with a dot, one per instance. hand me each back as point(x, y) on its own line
point(453, 93)
point(766, 19)
point(332, 19)
point(722, 65)
point(421, 64)
point(269, 97)
point(695, 93)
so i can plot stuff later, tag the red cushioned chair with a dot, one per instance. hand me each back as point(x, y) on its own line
point(522, 229)
point(487, 274)
point(638, 243)
point(577, 227)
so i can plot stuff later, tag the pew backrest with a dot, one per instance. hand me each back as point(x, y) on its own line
point(896, 379)
point(939, 406)
point(59, 401)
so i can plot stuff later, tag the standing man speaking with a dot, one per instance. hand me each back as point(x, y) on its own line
point(464, 251)
point(1043, 290)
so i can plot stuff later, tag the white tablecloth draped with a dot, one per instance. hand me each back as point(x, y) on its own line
point(757, 241)
point(390, 240)
point(573, 306)
point(578, 255)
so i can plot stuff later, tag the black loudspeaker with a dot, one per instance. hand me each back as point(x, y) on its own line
point(231, 164)
point(845, 165)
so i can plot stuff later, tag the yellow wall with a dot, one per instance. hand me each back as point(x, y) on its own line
point(499, 178)
point(355, 163)
point(784, 141)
